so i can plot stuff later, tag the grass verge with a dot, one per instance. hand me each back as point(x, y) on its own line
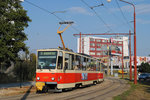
point(126, 93)
point(141, 91)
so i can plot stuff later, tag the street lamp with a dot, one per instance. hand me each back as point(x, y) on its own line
point(108, 0)
point(135, 62)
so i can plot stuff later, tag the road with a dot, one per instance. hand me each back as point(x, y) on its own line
point(103, 91)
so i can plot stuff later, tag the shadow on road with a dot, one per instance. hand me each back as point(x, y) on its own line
point(27, 93)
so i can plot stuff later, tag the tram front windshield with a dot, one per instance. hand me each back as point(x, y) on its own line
point(47, 59)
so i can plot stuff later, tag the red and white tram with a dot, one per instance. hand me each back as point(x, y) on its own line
point(59, 69)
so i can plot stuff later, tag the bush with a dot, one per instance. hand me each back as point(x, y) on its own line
point(25, 70)
point(144, 68)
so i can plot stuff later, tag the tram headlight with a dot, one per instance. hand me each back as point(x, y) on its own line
point(53, 78)
point(38, 78)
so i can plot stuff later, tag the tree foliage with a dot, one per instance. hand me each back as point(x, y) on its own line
point(145, 68)
point(13, 20)
point(26, 69)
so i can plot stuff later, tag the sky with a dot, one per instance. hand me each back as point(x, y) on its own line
point(113, 17)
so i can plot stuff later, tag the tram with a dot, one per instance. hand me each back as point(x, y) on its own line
point(59, 69)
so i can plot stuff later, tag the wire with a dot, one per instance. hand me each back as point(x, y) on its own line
point(133, 2)
point(97, 15)
point(49, 13)
point(115, 16)
point(123, 15)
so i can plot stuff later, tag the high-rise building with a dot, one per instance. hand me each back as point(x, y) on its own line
point(105, 48)
point(101, 47)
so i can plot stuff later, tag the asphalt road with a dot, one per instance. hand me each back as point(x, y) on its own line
point(103, 91)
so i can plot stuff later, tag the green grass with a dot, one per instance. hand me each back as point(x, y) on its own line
point(126, 93)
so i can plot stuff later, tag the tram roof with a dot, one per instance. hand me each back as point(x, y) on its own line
point(56, 49)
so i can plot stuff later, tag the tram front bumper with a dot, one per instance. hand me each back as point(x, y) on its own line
point(39, 85)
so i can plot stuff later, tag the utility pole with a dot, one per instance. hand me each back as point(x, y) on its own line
point(135, 61)
point(130, 55)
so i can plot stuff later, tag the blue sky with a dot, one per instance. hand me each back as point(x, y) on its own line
point(42, 31)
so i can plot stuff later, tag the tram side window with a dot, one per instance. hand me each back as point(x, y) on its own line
point(74, 62)
point(93, 65)
point(97, 66)
point(78, 63)
point(84, 63)
point(60, 60)
point(69, 61)
point(88, 64)
point(81, 65)
point(66, 61)
point(100, 67)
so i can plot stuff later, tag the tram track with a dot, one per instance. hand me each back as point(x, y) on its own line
point(106, 93)
point(79, 95)
point(87, 93)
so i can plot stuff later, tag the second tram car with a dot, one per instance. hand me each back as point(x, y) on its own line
point(59, 69)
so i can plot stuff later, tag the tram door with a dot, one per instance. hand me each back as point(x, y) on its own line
point(69, 72)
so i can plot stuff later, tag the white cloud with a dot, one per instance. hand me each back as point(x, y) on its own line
point(142, 21)
point(79, 10)
point(140, 9)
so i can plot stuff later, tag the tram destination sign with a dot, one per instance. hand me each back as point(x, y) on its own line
point(46, 53)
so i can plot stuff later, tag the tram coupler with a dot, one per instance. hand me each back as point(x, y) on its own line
point(39, 86)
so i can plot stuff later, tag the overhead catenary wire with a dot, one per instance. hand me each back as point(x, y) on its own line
point(115, 16)
point(133, 2)
point(123, 15)
point(101, 19)
point(49, 13)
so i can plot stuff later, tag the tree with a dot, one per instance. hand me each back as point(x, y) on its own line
point(145, 68)
point(13, 20)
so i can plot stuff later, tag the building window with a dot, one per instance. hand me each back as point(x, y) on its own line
point(113, 47)
point(99, 45)
point(91, 39)
point(104, 53)
point(98, 49)
point(98, 53)
point(92, 44)
point(92, 49)
point(92, 53)
point(119, 42)
point(115, 42)
point(104, 47)
point(104, 41)
point(98, 40)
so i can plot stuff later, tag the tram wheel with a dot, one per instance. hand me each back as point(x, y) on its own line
point(94, 83)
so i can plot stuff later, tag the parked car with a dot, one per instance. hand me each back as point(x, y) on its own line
point(144, 76)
